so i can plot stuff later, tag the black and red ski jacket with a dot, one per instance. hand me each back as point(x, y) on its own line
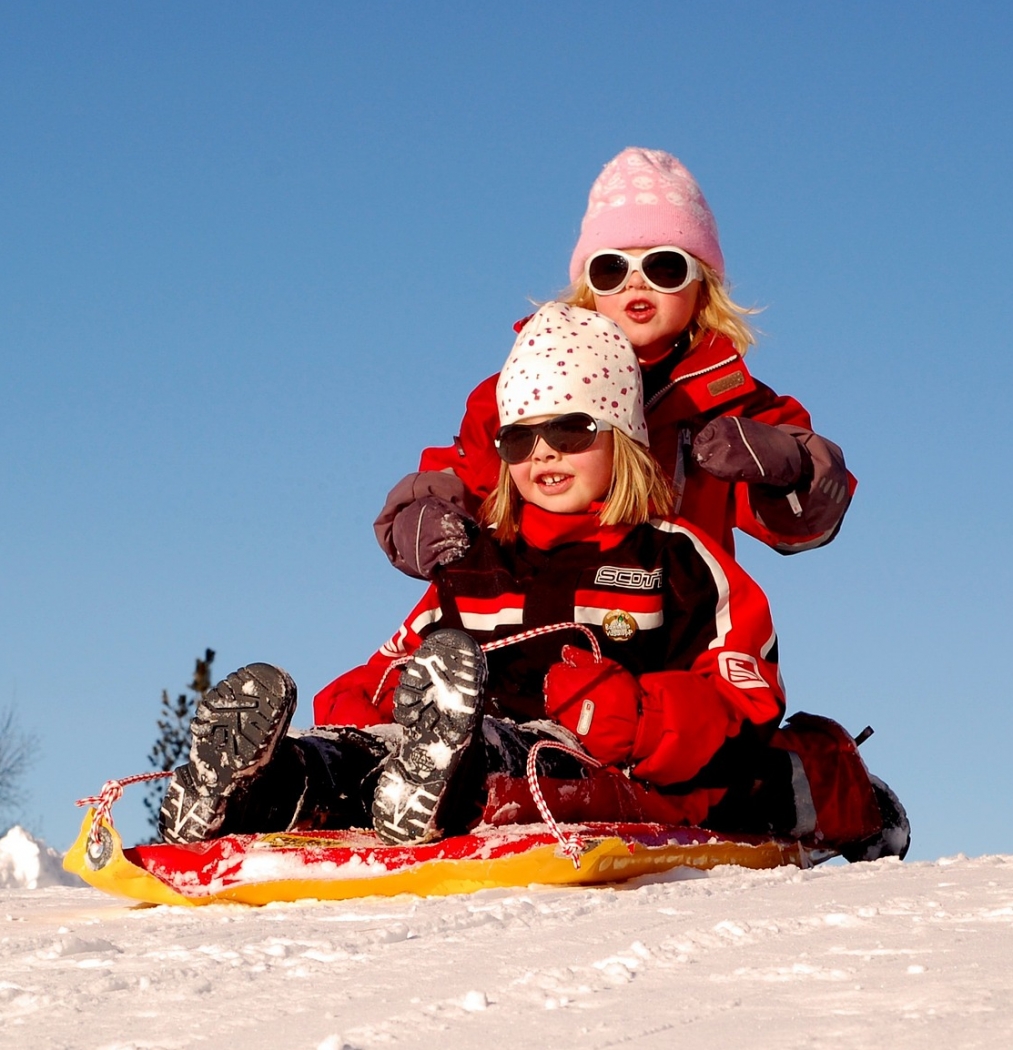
point(683, 617)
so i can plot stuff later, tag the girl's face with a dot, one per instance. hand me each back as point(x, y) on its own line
point(561, 482)
point(651, 320)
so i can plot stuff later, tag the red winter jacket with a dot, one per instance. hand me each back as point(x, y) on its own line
point(710, 380)
point(703, 648)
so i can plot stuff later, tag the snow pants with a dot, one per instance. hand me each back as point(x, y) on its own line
point(807, 783)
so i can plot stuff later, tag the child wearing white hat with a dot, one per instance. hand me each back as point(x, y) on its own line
point(631, 644)
point(682, 703)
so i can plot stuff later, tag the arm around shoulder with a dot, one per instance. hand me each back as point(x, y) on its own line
point(791, 486)
point(809, 514)
point(426, 518)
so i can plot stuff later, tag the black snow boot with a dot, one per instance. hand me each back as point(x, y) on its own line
point(234, 732)
point(438, 702)
point(895, 838)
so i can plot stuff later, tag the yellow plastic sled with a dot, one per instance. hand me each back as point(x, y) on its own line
point(259, 869)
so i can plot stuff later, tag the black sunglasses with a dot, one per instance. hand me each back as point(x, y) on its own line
point(574, 432)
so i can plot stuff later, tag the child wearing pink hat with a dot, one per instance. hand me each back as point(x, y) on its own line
point(737, 454)
point(581, 619)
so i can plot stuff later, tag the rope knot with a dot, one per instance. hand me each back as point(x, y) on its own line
point(571, 845)
point(111, 793)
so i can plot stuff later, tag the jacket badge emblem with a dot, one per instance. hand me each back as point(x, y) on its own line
point(619, 625)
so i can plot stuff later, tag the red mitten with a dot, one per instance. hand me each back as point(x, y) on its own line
point(600, 702)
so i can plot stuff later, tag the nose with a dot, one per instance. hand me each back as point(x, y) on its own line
point(635, 279)
point(543, 451)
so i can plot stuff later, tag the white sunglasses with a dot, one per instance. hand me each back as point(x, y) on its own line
point(665, 269)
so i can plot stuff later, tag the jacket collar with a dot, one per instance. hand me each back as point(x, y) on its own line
point(710, 374)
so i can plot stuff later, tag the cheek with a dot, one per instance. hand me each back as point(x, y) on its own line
point(608, 306)
point(680, 307)
point(518, 473)
point(595, 469)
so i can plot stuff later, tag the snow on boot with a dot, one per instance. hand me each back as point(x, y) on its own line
point(438, 701)
point(234, 732)
point(894, 839)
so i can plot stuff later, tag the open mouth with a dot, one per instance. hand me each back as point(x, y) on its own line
point(640, 309)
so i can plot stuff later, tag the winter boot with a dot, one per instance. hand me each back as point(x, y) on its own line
point(894, 839)
point(234, 732)
point(438, 702)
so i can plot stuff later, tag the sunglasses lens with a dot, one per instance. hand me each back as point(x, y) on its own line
point(607, 273)
point(515, 442)
point(570, 433)
point(667, 270)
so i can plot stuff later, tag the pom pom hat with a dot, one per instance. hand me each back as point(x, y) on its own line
point(567, 359)
point(642, 199)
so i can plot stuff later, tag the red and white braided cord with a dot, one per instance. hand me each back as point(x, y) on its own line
point(537, 632)
point(572, 845)
point(111, 793)
point(501, 643)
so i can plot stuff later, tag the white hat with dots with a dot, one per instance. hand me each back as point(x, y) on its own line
point(567, 359)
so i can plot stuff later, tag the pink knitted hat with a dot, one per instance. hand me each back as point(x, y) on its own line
point(567, 359)
point(643, 198)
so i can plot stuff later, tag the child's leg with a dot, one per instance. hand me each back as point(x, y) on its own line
point(438, 703)
point(773, 799)
point(811, 783)
point(234, 733)
point(316, 781)
point(246, 776)
point(507, 745)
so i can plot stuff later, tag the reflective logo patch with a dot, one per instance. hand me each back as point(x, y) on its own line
point(586, 714)
point(741, 670)
point(634, 579)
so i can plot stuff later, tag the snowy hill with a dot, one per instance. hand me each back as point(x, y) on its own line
point(886, 954)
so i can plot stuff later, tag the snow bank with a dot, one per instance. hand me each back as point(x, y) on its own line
point(28, 864)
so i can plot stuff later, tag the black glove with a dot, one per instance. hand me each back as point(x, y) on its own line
point(736, 448)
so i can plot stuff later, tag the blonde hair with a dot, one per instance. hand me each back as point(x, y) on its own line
point(639, 491)
point(716, 311)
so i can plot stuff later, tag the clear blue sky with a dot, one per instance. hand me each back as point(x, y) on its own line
point(255, 255)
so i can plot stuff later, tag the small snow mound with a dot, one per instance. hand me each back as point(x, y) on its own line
point(335, 1042)
point(474, 1002)
point(29, 865)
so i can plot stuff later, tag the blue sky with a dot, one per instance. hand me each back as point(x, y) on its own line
point(253, 257)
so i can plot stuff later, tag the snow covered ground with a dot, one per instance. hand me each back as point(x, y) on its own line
point(887, 954)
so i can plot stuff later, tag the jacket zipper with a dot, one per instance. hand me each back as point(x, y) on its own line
point(685, 434)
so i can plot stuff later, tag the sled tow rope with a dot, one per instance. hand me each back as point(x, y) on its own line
point(111, 793)
point(572, 845)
